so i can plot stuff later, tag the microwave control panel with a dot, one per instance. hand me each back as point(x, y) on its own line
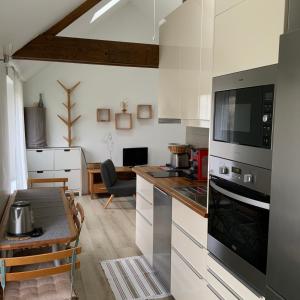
point(267, 119)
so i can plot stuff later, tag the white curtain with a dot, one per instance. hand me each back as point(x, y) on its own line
point(16, 139)
point(4, 145)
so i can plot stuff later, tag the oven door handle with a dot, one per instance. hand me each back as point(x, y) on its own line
point(240, 198)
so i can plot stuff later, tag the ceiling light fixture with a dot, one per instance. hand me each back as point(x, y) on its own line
point(104, 9)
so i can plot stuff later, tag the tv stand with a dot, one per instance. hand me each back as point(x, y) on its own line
point(95, 184)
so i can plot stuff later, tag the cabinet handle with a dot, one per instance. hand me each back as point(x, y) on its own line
point(209, 270)
point(39, 151)
point(67, 150)
point(215, 292)
point(40, 172)
point(188, 235)
point(67, 170)
point(187, 263)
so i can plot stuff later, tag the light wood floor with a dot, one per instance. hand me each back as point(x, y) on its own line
point(106, 234)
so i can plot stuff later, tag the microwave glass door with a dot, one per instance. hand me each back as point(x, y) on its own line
point(241, 227)
point(239, 116)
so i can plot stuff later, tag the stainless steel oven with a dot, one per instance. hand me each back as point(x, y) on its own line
point(243, 116)
point(238, 219)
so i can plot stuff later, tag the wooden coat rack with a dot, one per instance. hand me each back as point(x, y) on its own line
point(69, 122)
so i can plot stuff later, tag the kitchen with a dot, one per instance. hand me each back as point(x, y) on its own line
point(203, 201)
point(237, 245)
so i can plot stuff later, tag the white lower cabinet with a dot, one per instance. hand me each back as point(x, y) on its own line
point(191, 250)
point(186, 283)
point(145, 207)
point(144, 236)
point(226, 284)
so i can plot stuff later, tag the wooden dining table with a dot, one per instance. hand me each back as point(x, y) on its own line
point(51, 212)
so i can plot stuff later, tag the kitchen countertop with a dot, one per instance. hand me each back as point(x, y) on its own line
point(168, 184)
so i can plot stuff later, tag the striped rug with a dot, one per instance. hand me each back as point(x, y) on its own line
point(133, 278)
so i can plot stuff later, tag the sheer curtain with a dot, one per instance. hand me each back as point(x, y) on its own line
point(4, 148)
point(16, 132)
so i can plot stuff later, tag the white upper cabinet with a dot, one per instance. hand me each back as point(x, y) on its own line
point(168, 97)
point(186, 46)
point(222, 5)
point(247, 34)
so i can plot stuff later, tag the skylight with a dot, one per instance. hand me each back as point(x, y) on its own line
point(104, 9)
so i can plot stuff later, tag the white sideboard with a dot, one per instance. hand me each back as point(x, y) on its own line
point(57, 163)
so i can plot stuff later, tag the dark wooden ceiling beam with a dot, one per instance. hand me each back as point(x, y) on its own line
point(50, 47)
point(87, 51)
point(71, 17)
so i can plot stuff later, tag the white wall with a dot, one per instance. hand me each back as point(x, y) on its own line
point(197, 137)
point(103, 86)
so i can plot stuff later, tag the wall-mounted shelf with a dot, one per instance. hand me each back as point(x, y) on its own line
point(144, 111)
point(123, 121)
point(103, 115)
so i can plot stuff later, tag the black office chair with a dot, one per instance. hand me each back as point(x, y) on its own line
point(116, 187)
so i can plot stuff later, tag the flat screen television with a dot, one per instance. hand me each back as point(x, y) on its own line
point(135, 156)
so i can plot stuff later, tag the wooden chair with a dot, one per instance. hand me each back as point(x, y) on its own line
point(35, 277)
point(32, 181)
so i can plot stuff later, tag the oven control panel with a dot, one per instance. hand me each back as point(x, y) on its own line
point(255, 178)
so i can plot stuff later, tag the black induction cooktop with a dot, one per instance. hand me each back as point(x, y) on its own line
point(197, 194)
point(166, 174)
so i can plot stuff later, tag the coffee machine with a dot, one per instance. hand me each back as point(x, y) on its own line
point(179, 156)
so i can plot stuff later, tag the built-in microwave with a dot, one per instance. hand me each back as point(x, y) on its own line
point(243, 116)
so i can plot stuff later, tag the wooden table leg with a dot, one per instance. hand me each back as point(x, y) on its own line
point(90, 182)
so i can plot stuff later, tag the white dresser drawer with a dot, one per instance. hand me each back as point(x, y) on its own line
point(145, 207)
point(190, 249)
point(144, 188)
point(40, 160)
point(194, 224)
point(41, 174)
point(185, 284)
point(144, 236)
point(74, 178)
point(67, 159)
point(216, 272)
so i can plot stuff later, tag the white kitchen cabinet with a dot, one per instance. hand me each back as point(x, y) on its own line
point(226, 284)
point(56, 163)
point(168, 95)
point(192, 251)
point(189, 254)
point(186, 284)
point(191, 222)
point(247, 35)
point(145, 207)
point(223, 5)
point(144, 236)
point(186, 45)
point(144, 218)
point(144, 188)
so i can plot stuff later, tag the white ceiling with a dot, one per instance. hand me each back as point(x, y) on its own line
point(22, 20)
